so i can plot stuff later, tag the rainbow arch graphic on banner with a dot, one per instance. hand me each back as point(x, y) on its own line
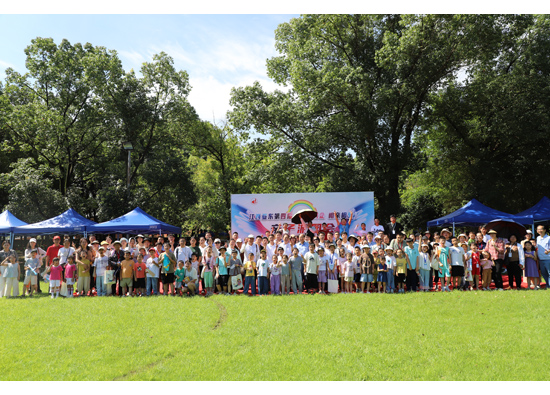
point(302, 204)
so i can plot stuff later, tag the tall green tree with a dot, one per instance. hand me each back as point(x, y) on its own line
point(358, 86)
point(486, 136)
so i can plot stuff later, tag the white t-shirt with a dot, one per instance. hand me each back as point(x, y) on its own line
point(391, 262)
point(487, 237)
point(356, 263)
point(287, 247)
point(271, 250)
point(324, 262)
point(192, 274)
point(332, 260)
point(424, 261)
point(457, 254)
point(183, 254)
point(275, 270)
point(376, 228)
point(64, 253)
point(262, 267)
point(100, 263)
point(152, 267)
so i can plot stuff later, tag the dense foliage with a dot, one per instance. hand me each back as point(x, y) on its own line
point(428, 111)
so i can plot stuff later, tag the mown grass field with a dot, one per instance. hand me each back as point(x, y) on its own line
point(435, 336)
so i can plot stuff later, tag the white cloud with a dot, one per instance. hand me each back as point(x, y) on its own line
point(134, 57)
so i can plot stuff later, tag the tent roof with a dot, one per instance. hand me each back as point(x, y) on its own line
point(8, 222)
point(68, 222)
point(135, 221)
point(472, 213)
point(539, 212)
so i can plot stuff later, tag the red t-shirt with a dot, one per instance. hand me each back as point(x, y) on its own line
point(52, 252)
point(475, 264)
point(140, 270)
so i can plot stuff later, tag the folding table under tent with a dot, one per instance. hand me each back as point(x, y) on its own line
point(472, 213)
point(68, 222)
point(540, 212)
point(8, 223)
point(136, 221)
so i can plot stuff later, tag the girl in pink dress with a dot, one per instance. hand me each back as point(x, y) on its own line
point(55, 277)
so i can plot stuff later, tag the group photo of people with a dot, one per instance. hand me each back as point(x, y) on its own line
point(324, 260)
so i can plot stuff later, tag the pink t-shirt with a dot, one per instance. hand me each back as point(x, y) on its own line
point(55, 272)
point(69, 271)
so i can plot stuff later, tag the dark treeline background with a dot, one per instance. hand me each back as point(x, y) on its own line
point(427, 111)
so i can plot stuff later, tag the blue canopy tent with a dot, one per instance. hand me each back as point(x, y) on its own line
point(540, 212)
point(68, 222)
point(8, 223)
point(472, 213)
point(136, 221)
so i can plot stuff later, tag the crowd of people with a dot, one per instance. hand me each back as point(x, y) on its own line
point(382, 259)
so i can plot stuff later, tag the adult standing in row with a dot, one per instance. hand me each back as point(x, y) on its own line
point(393, 228)
point(6, 252)
point(515, 262)
point(496, 248)
point(40, 254)
point(543, 252)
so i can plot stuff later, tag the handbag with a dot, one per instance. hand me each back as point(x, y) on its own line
point(333, 286)
point(109, 278)
point(63, 290)
point(236, 282)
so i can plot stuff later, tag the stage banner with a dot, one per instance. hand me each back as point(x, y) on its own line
point(257, 213)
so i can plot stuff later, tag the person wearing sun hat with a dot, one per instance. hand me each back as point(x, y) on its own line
point(351, 244)
point(496, 248)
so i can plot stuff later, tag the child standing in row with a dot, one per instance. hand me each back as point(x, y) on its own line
point(532, 268)
point(83, 274)
point(286, 273)
point(383, 272)
point(70, 274)
point(234, 268)
point(31, 272)
point(55, 277)
point(444, 263)
point(349, 271)
point(322, 274)
point(425, 264)
point(249, 282)
point(207, 269)
point(275, 268)
point(487, 265)
point(367, 263)
point(391, 264)
point(179, 274)
point(140, 270)
point(401, 262)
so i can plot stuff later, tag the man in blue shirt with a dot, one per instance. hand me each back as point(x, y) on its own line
point(543, 252)
point(412, 271)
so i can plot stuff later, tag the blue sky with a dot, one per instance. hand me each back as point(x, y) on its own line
point(218, 51)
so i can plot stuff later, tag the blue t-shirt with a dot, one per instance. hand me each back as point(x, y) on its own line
point(221, 267)
point(343, 228)
point(412, 253)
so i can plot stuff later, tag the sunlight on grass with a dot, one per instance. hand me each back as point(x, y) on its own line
point(456, 336)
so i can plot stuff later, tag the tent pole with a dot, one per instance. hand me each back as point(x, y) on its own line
point(11, 239)
point(453, 228)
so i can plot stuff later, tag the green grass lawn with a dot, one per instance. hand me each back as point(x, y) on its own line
point(435, 336)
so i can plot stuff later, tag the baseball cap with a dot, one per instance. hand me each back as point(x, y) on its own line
point(57, 238)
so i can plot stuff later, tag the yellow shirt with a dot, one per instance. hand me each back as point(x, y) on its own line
point(249, 267)
point(401, 265)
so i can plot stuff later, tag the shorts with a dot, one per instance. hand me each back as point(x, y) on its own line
point(322, 276)
point(366, 278)
point(223, 280)
point(348, 279)
point(167, 278)
point(55, 283)
point(457, 271)
point(401, 278)
point(69, 281)
point(126, 282)
point(357, 277)
point(140, 283)
point(178, 284)
point(33, 280)
point(444, 272)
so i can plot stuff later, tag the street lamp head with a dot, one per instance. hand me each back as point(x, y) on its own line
point(127, 145)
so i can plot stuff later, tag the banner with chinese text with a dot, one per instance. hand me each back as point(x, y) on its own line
point(257, 213)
